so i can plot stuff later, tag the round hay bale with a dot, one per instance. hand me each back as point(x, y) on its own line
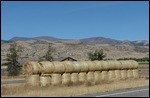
point(83, 66)
point(91, 65)
point(118, 74)
point(111, 65)
point(74, 78)
point(98, 66)
point(68, 66)
point(82, 77)
point(117, 65)
point(59, 67)
point(76, 66)
point(97, 77)
point(134, 63)
point(129, 74)
point(129, 64)
point(32, 68)
point(111, 75)
point(90, 77)
point(124, 65)
point(123, 74)
point(33, 80)
point(104, 76)
point(56, 79)
point(46, 67)
point(45, 79)
point(105, 66)
point(66, 79)
point(135, 73)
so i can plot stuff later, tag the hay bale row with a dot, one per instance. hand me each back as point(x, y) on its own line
point(47, 67)
point(92, 77)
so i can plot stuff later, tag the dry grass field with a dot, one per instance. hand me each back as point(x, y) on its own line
point(20, 90)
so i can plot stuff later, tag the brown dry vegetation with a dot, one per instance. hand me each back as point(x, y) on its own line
point(24, 90)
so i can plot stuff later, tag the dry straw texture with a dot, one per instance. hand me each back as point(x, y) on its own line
point(66, 79)
point(111, 65)
point(118, 74)
point(82, 77)
point(83, 66)
point(59, 67)
point(76, 66)
point(32, 68)
point(33, 80)
point(111, 75)
point(118, 65)
point(98, 65)
point(91, 65)
point(129, 74)
point(124, 65)
point(104, 76)
point(104, 65)
point(97, 77)
point(123, 74)
point(68, 66)
point(134, 63)
point(46, 67)
point(45, 79)
point(135, 73)
point(56, 79)
point(90, 77)
point(75, 78)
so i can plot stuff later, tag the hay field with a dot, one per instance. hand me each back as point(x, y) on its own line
point(20, 90)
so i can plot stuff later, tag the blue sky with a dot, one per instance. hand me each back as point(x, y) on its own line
point(121, 20)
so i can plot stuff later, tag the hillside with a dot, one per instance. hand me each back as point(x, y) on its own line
point(33, 48)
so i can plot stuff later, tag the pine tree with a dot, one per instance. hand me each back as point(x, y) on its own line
point(13, 66)
point(48, 56)
point(97, 55)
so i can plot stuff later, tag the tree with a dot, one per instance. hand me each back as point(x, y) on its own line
point(97, 55)
point(48, 55)
point(13, 66)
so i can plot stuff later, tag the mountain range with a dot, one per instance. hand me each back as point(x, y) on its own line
point(92, 40)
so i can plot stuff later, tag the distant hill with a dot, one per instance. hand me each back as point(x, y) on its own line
point(92, 40)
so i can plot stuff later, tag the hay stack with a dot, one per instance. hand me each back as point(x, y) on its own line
point(82, 77)
point(45, 79)
point(117, 64)
point(98, 66)
point(111, 75)
point(118, 74)
point(74, 78)
point(111, 65)
point(123, 74)
point(129, 74)
point(56, 79)
point(83, 66)
point(104, 76)
point(91, 65)
point(76, 66)
point(104, 65)
point(33, 80)
point(46, 67)
point(124, 65)
point(129, 64)
point(134, 63)
point(97, 77)
point(90, 77)
point(58, 67)
point(32, 68)
point(66, 79)
point(135, 73)
point(68, 66)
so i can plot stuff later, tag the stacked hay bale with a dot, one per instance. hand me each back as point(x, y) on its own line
point(81, 72)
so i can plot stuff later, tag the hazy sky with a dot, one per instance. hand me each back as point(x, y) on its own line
point(121, 20)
